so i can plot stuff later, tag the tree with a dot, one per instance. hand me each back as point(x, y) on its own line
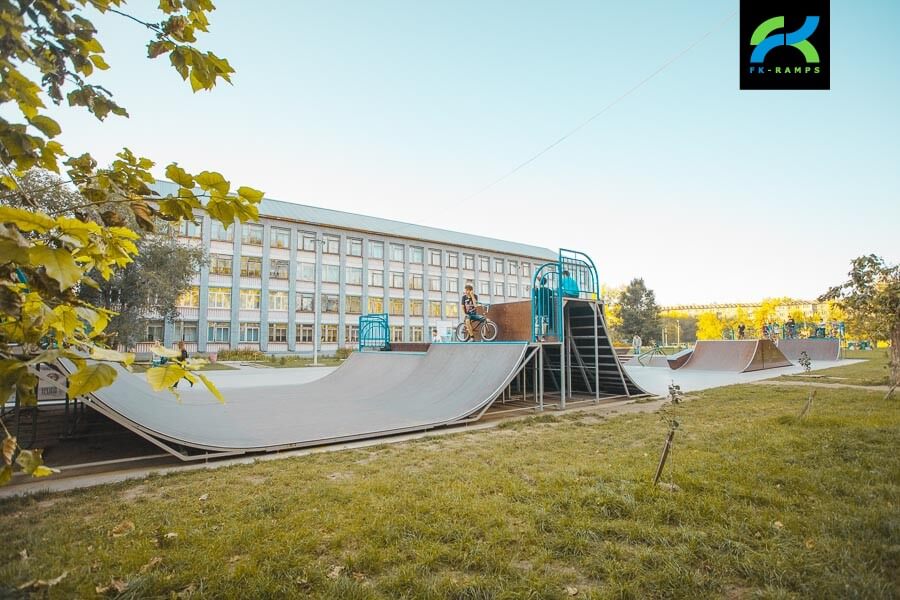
point(871, 300)
point(49, 52)
point(710, 326)
point(680, 326)
point(639, 312)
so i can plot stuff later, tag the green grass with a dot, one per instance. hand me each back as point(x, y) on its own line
point(769, 506)
point(874, 371)
point(142, 367)
point(295, 361)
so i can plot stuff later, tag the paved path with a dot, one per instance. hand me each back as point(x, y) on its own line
point(871, 388)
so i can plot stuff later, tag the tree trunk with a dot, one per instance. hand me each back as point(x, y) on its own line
point(895, 354)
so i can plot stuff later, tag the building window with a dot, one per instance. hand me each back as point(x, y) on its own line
point(453, 284)
point(526, 290)
point(220, 234)
point(308, 241)
point(498, 288)
point(469, 262)
point(332, 244)
point(484, 264)
point(249, 332)
point(376, 305)
point(416, 333)
point(278, 300)
point(451, 310)
point(190, 298)
point(306, 302)
point(305, 333)
point(376, 250)
point(331, 303)
point(434, 258)
point(280, 237)
point(186, 331)
point(415, 308)
point(512, 267)
point(351, 334)
point(354, 276)
point(376, 278)
point(353, 305)
point(484, 288)
point(397, 252)
point(513, 290)
point(526, 270)
point(219, 297)
point(354, 247)
point(416, 255)
point(329, 333)
point(395, 306)
point(252, 234)
point(220, 264)
point(396, 280)
point(250, 299)
point(498, 266)
point(188, 229)
point(396, 333)
point(218, 332)
point(452, 260)
point(415, 281)
point(307, 271)
point(154, 332)
point(279, 269)
point(434, 284)
point(434, 309)
point(331, 273)
point(251, 266)
point(277, 332)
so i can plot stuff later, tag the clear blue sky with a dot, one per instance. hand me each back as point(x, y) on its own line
point(404, 109)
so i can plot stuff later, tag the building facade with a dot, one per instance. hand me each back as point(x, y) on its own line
point(303, 275)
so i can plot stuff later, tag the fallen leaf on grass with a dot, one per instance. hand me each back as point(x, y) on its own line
point(123, 528)
point(359, 576)
point(335, 572)
point(778, 525)
point(24, 554)
point(154, 562)
point(572, 591)
point(203, 498)
point(809, 543)
point(115, 585)
point(37, 584)
point(171, 535)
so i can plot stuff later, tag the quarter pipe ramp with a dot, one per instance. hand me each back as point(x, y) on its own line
point(816, 349)
point(371, 395)
point(735, 355)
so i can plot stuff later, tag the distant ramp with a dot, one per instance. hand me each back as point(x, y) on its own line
point(371, 395)
point(739, 356)
point(815, 348)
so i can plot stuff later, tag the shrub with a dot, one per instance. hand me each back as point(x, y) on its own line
point(241, 355)
point(343, 353)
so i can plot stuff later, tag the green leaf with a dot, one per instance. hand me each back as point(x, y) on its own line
point(90, 378)
point(163, 351)
point(26, 220)
point(211, 387)
point(30, 460)
point(210, 180)
point(99, 62)
point(164, 377)
point(179, 176)
point(107, 354)
point(58, 263)
point(43, 471)
point(5, 475)
point(13, 252)
point(48, 126)
point(249, 194)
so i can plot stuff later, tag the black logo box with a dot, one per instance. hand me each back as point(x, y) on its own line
point(755, 12)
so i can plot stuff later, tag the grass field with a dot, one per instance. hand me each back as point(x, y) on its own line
point(142, 367)
point(874, 371)
point(768, 505)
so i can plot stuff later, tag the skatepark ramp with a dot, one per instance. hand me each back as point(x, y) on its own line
point(735, 355)
point(370, 395)
point(815, 348)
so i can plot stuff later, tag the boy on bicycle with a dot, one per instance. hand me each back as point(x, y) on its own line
point(469, 304)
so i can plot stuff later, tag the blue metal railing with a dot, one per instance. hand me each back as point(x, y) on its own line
point(582, 271)
point(374, 332)
point(574, 275)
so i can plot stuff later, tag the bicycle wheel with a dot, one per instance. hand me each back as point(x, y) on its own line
point(462, 334)
point(488, 331)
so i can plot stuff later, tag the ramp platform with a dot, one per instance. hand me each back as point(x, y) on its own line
point(815, 348)
point(740, 356)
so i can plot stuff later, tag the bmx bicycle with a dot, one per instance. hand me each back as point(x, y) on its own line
point(487, 328)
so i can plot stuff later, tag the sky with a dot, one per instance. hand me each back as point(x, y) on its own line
point(408, 110)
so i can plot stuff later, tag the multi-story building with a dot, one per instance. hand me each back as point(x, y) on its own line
point(303, 274)
point(731, 310)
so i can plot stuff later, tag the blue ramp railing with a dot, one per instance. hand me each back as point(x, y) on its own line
point(374, 332)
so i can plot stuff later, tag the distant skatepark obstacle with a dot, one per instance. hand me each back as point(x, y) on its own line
point(815, 348)
point(740, 356)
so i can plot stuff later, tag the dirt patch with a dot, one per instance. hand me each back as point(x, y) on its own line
point(339, 476)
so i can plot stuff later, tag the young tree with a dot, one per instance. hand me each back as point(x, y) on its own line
point(710, 326)
point(49, 52)
point(871, 300)
point(639, 312)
